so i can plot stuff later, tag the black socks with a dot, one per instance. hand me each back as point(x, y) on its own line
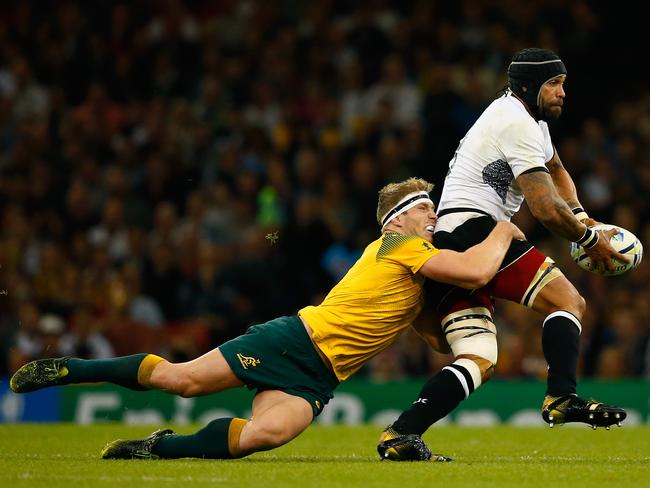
point(560, 343)
point(439, 396)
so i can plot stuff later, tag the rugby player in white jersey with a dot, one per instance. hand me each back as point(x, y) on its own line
point(507, 157)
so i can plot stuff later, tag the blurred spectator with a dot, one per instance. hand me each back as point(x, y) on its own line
point(140, 307)
point(111, 232)
point(29, 99)
point(38, 335)
point(394, 99)
point(84, 340)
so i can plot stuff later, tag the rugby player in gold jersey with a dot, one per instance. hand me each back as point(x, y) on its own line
point(295, 363)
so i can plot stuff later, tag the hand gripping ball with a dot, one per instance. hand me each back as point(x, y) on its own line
point(624, 241)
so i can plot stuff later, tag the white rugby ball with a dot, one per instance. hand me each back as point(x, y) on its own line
point(624, 241)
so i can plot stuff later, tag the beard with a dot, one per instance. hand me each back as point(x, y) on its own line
point(551, 113)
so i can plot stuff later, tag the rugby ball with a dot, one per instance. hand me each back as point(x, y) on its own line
point(625, 242)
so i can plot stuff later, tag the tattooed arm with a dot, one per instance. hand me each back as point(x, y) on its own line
point(563, 182)
point(548, 206)
point(550, 209)
point(565, 187)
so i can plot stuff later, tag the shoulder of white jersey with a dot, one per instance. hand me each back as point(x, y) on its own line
point(515, 104)
point(507, 111)
point(514, 116)
point(545, 130)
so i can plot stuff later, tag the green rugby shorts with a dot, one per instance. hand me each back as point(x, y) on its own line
point(279, 355)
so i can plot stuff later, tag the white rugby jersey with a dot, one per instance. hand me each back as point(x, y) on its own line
point(503, 143)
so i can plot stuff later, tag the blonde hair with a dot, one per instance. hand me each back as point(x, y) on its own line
point(392, 193)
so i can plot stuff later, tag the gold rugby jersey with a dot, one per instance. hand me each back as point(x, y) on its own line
point(378, 298)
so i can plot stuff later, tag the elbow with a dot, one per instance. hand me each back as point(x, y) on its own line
point(477, 280)
point(482, 280)
point(544, 215)
point(548, 215)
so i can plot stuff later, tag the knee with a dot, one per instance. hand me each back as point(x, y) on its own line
point(560, 294)
point(485, 366)
point(188, 387)
point(581, 306)
point(173, 378)
point(188, 390)
point(574, 303)
point(271, 433)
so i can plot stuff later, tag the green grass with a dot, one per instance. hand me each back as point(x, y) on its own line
point(65, 455)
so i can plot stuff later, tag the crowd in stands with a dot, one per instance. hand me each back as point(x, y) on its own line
point(172, 172)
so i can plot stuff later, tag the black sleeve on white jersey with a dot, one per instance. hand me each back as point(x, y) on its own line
point(535, 169)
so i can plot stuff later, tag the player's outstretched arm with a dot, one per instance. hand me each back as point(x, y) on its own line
point(566, 188)
point(548, 207)
point(476, 266)
point(552, 211)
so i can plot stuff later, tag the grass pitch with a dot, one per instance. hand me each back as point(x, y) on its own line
point(65, 455)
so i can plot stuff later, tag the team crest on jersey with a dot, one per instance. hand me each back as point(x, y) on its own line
point(247, 361)
point(498, 175)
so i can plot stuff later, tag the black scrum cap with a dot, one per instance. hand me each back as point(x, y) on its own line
point(531, 68)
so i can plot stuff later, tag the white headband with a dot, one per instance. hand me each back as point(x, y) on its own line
point(409, 201)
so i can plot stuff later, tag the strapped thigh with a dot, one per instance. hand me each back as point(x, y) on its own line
point(470, 329)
